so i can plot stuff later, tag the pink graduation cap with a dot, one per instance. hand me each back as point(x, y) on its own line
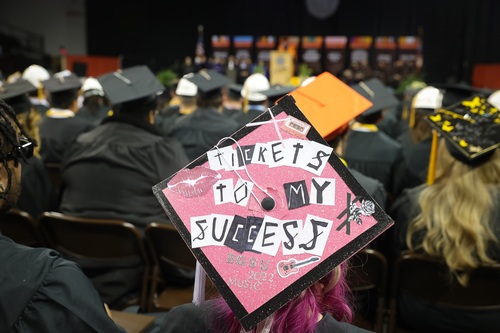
point(269, 211)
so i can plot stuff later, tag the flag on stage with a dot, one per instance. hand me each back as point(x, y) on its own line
point(200, 46)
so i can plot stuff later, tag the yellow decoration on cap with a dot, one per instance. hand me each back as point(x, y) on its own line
point(431, 172)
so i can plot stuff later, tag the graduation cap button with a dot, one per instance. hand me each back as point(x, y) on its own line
point(268, 203)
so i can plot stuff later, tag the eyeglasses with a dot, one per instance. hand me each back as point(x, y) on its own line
point(24, 150)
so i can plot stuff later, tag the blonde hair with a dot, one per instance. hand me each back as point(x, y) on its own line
point(455, 213)
point(420, 129)
point(30, 120)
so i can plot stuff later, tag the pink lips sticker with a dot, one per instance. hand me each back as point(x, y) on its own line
point(194, 182)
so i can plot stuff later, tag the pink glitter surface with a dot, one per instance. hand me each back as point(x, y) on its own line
point(253, 277)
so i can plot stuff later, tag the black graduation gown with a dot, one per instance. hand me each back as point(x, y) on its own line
point(392, 124)
point(412, 171)
point(37, 193)
point(201, 130)
point(44, 293)
point(189, 318)
point(165, 120)
point(93, 117)
point(109, 172)
point(374, 154)
point(374, 187)
point(231, 113)
point(253, 111)
point(57, 133)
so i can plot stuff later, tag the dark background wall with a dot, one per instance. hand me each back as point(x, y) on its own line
point(456, 34)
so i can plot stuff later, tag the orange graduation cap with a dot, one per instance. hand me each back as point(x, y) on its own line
point(328, 103)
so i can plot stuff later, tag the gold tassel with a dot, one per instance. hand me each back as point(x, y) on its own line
point(245, 101)
point(407, 101)
point(411, 120)
point(40, 92)
point(431, 172)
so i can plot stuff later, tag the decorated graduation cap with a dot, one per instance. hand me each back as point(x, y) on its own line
point(209, 82)
point(36, 74)
point(276, 91)
point(471, 128)
point(186, 88)
point(427, 100)
point(328, 103)
point(92, 87)
point(63, 82)
point(269, 211)
point(254, 86)
point(130, 84)
point(16, 94)
point(378, 93)
point(494, 99)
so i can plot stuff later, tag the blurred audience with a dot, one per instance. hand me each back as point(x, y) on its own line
point(59, 126)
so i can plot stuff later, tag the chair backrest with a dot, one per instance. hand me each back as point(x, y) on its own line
point(172, 279)
point(367, 278)
point(168, 246)
point(111, 253)
point(427, 278)
point(22, 228)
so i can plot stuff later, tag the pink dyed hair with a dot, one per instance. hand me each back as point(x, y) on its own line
point(331, 294)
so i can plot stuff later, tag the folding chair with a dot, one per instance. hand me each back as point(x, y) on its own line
point(54, 173)
point(171, 255)
point(22, 228)
point(110, 252)
point(367, 278)
point(426, 280)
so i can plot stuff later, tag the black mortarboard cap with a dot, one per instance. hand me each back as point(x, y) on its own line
point(16, 94)
point(130, 84)
point(471, 128)
point(209, 82)
point(234, 90)
point(454, 93)
point(378, 93)
point(62, 83)
point(18, 88)
point(276, 92)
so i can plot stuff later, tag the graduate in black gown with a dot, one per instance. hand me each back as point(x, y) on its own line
point(254, 100)
point(416, 141)
point(37, 193)
point(59, 126)
point(454, 215)
point(202, 129)
point(108, 172)
point(94, 108)
point(36, 74)
point(232, 101)
point(367, 149)
point(40, 291)
point(185, 92)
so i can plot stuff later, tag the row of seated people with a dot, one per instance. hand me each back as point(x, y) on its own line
point(385, 148)
point(129, 190)
point(128, 270)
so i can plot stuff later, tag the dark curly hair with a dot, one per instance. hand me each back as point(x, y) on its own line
point(9, 141)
